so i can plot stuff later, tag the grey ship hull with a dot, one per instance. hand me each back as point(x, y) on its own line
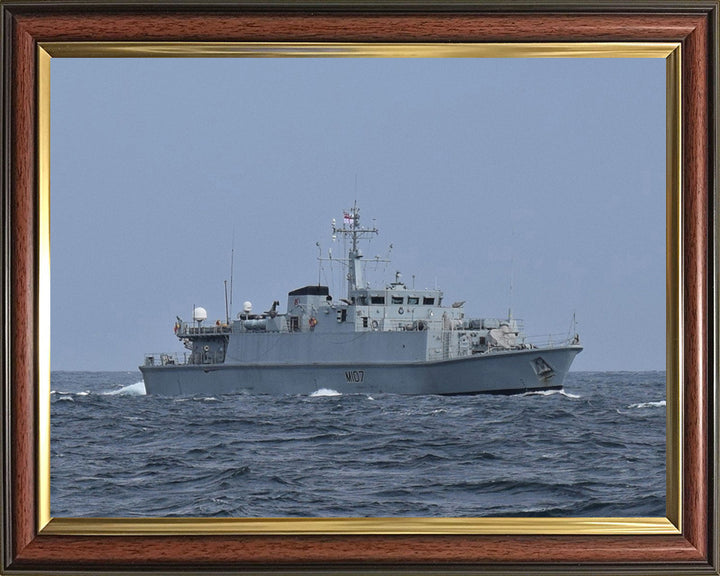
point(507, 372)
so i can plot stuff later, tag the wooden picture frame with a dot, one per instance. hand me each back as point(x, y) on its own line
point(686, 543)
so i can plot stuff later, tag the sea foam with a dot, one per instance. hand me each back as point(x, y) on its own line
point(551, 393)
point(657, 404)
point(325, 392)
point(137, 389)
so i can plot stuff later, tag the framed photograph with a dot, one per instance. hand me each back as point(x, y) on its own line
point(363, 40)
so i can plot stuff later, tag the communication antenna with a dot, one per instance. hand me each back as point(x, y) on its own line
point(573, 329)
point(512, 273)
point(232, 263)
point(227, 312)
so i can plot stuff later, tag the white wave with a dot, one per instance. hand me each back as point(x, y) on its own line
point(551, 393)
point(65, 399)
point(540, 393)
point(137, 389)
point(325, 392)
point(658, 404)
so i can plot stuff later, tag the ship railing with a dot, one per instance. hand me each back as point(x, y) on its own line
point(517, 324)
point(186, 329)
point(546, 340)
point(164, 359)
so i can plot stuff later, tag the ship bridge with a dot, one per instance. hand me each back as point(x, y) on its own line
point(396, 295)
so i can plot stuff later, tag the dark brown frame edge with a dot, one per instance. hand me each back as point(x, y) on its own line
point(26, 23)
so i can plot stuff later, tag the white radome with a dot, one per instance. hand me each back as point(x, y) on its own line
point(199, 314)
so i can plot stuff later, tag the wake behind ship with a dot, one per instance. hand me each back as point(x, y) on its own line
point(395, 340)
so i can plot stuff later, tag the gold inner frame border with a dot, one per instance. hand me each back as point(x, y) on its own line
point(671, 524)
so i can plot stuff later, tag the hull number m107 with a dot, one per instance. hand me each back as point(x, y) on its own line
point(354, 375)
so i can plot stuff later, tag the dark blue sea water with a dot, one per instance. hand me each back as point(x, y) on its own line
point(597, 448)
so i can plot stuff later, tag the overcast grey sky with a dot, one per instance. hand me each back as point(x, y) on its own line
point(532, 183)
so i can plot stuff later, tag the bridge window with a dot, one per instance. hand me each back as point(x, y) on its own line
point(377, 299)
point(428, 301)
point(397, 299)
point(413, 299)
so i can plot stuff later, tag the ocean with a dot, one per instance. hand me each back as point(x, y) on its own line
point(595, 448)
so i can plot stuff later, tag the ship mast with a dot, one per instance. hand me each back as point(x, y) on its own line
point(351, 227)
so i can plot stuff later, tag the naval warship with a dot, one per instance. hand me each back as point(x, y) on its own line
point(394, 340)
